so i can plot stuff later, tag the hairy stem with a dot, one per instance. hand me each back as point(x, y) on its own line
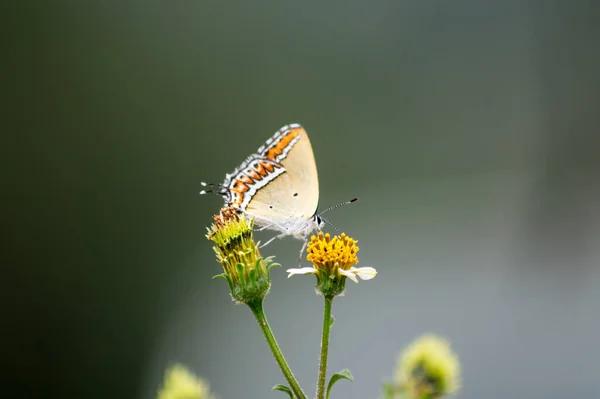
point(324, 348)
point(261, 319)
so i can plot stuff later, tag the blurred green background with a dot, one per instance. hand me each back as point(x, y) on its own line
point(469, 129)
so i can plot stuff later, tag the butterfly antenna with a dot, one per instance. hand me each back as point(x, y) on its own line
point(338, 205)
point(218, 192)
point(337, 231)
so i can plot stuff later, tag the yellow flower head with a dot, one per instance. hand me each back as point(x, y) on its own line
point(428, 368)
point(333, 260)
point(179, 383)
point(243, 267)
point(330, 254)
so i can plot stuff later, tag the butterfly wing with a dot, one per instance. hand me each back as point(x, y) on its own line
point(248, 179)
point(290, 198)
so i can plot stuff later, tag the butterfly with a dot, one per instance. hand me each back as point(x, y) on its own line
point(278, 186)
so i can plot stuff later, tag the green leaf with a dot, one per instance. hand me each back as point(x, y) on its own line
point(283, 388)
point(331, 321)
point(344, 374)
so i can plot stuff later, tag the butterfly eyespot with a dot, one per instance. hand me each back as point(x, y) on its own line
point(295, 194)
point(271, 206)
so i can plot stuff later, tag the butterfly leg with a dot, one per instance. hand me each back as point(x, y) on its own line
point(302, 251)
point(268, 226)
point(271, 240)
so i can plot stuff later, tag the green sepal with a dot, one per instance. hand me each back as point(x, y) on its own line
point(272, 265)
point(344, 374)
point(269, 259)
point(252, 278)
point(225, 276)
point(241, 276)
point(283, 388)
point(258, 266)
point(330, 284)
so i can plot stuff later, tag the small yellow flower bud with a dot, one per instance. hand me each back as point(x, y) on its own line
point(428, 369)
point(179, 383)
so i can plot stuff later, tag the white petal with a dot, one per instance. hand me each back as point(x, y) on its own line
point(349, 274)
point(304, 270)
point(365, 273)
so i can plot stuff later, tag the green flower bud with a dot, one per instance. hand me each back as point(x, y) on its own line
point(246, 272)
point(179, 383)
point(428, 369)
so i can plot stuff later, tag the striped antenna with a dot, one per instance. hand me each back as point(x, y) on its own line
point(338, 205)
point(337, 231)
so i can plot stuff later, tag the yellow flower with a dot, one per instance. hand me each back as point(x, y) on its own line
point(179, 383)
point(333, 260)
point(428, 368)
point(246, 272)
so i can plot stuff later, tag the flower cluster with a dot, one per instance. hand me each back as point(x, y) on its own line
point(333, 260)
point(427, 368)
point(247, 273)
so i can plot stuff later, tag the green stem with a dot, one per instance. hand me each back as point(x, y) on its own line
point(257, 309)
point(324, 348)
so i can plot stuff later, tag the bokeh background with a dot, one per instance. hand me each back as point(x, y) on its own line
point(467, 128)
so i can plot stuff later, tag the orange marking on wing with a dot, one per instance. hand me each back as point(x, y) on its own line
point(246, 180)
point(237, 202)
point(269, 166)
point(241, 187)
point(259, 168)
point(254, 175)
point(285, 141)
